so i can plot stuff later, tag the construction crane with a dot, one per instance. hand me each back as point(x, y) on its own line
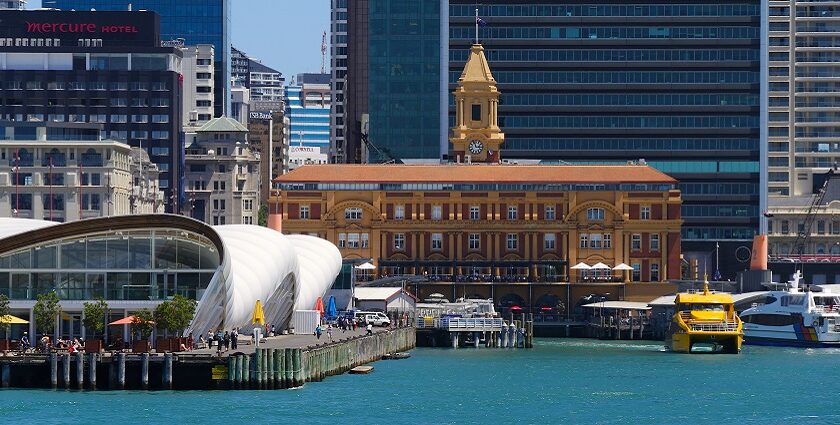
point(804, 233)
point(324, 52)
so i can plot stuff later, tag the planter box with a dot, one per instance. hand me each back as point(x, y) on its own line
point(93, 346)
point(172, 345)
point(141, 346)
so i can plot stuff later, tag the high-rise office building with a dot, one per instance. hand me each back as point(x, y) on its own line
point(196, 21)
point(338, 71)
point(105, 68)
point(197, 104)
point(803, 105)
point(675, 83)
point(308, 109)
point(12, 4)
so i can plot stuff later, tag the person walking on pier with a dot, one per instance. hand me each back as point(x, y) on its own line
point(318, 331)
point(369, 329)
point(234, 338)
point(227, 340)
point(329, 331)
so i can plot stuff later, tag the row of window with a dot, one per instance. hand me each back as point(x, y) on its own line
point(583, 121)
point(480, 187)
point(53, 179)
point(623, 77)
point(629, 99)
point(667, 144)
point(595, 241)
point(595, 55)
point(639, 10)
point(820, 227)
point(510, 32)
point(86, 85)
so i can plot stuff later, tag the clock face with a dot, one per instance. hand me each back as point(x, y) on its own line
point(476, 147)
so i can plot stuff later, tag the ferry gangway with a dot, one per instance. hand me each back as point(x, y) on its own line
point(462, 324)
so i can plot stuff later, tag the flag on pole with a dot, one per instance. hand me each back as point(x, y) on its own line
point(480, 22)
point(717, 275)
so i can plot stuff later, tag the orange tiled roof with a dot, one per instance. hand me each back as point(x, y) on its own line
point(455, 173)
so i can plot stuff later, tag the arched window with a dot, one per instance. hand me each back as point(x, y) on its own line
point(91, 158)
point(835, 249)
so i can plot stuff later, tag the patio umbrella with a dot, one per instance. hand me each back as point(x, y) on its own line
point(12, 320)
point(319, 305)
point(366, 266)
point(600, 266)
point(332, 311)
point(125, 321)
point(581, 266)
point(622, 267)
point(259, 315)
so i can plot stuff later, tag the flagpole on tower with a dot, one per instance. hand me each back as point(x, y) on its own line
point(476, 25)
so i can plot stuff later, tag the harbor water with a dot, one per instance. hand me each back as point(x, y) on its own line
point(559, 381)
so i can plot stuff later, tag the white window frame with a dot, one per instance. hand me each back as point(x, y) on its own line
point(365, 241)
point(607, 240)
point(304, 212)
point(437, 242)
point(353, 213)
point(399, 212)
point(342, 240)
point(636, 273)
point(512, 241)
point(584, 240)
point(399, 241)
point(474, 241)
point(636, 242)
point(644, 212)
point(550, 212)
point(595, 214)
point(437, 212)
point(549, 241)
point(654, 242)
point(595, 241)
point(353, 240)
point(512, 212)
point(654, 269)
point(475, 212)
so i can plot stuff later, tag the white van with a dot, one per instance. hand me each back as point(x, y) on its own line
point(376, 318)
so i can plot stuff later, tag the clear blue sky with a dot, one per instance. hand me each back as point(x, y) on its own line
point(283, 34)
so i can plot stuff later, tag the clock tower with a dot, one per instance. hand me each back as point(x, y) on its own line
point(476, 132)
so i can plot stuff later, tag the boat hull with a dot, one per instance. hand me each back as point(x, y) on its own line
point(705, 343)
point(786, 342)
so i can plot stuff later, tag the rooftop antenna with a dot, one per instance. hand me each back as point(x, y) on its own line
point(324, 52)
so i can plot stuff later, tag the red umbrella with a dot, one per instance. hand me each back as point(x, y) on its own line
point(546, 309)
point(125, 321)
point(319, 305)
point(516, 307)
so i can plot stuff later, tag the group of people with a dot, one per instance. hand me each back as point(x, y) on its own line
point(45, 345)
point(225, 340)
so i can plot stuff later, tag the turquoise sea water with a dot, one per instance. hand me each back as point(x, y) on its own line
point(565, 381)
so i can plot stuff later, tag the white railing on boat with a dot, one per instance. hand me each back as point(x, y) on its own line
point(461, 323)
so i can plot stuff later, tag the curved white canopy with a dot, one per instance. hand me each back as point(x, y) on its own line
point(581, 266)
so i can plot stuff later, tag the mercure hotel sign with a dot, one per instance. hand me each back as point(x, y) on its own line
point(66, 27)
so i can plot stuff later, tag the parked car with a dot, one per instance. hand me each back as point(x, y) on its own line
point(378, 319)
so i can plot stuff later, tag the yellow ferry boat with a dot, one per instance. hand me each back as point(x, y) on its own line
point(705, 322)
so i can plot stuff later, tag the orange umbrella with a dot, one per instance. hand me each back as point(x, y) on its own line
point(125, 321)
point(319, 305)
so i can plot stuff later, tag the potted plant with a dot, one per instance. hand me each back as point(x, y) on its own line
point(7, 327)
point(143, 324)
point(46, 310)
point(174, 316)
point(95, 313)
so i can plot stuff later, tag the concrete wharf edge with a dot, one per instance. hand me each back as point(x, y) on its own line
point(264, 368)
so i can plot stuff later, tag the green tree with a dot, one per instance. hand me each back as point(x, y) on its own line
point(95, 313)
point(262, 215)
point(46, 309)
point(175, 315)
point(5, 311)
point(143, 323)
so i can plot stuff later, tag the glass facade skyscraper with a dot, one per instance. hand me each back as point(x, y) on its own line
point(676, 83)
point(196, 21)
point(404, 78)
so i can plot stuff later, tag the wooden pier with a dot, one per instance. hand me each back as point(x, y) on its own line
point(274, 365)
point(476, 332)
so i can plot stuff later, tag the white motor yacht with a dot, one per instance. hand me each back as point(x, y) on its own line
point(794, 317)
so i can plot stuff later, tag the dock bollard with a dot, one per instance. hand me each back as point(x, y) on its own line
point(281, 368)
point(257, 378)
point(92, 357)
point(167, 371)
point(80, 370)
point(265, 356)
point(144, 371)
point(65, 365)
point(246, 371)
point(237, 369)
point(121, 371)
point(5, 376)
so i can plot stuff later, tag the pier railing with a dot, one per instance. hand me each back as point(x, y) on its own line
point(709, 326)
point(454, 324)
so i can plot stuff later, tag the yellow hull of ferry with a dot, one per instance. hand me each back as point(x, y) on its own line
point(706, 342)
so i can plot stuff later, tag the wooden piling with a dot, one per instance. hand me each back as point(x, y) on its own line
point(296, 369)
point(288, 368)
point(231, 368)
point(80, 370)
point(5, 375)
point(257, 378)
point(121, 371)
point(246, 371)
point(167, 371)
point(276, 380)
point(144, 371)
point(54, 370)
point(92, 358)
point(237, 379)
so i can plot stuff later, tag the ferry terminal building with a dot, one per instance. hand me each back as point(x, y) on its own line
point(477, 221)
